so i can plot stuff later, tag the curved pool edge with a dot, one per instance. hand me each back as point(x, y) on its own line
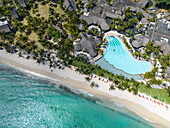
point(128, 52)
point(137, 77)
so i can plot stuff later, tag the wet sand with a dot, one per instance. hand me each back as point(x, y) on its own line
point(68, 76)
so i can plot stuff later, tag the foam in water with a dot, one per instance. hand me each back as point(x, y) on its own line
point(35, 102)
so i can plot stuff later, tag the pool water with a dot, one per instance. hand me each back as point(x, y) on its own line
point(106, 65)
point(117, 55)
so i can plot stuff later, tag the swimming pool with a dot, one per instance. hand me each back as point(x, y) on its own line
point(106, 65)
point(117, 55)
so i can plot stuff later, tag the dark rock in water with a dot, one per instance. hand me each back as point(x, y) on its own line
point(91, 99)
point(66, 89)
point(86, 97)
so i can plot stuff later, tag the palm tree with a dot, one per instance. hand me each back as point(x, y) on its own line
point(124, 85)
point(156, 50)
point(112, 87)
point(120, 87)
point(92, 84)
point(119, 28)
point(116, 82)
point(28, 57)
point(88, 79)
point(136, 85)
point(133, 20)
point(139, 15)
point(127, 10)
point(168, 90)
point(147, 86)
point(135, 91)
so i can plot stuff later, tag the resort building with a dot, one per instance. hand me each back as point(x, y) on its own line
point(87, 44)
point(5, 27)
point(96, 20)
point(23, 3)
point(140, 41)
point(121, 3)
point(168, 72)
point(117, 14)
point(144, 21)
point(70, 5)
point(102, 16)
point(138, 9)
point(164, 46)
point(160, 35)
point(143, 3)
point(14, 14)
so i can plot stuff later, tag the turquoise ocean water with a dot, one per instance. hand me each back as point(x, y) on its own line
point(27, 101)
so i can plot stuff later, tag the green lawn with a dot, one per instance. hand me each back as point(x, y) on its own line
point(96, 70)
point(43, 11)
point(159, 94)
point(34, 36)
point(59, 10)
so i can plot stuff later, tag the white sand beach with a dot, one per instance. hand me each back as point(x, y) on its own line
point(143, 107)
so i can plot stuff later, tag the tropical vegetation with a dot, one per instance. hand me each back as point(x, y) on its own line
point(128, 25)
point(45, 32)
point(165, 4)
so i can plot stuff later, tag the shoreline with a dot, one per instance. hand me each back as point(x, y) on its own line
point(142, 107)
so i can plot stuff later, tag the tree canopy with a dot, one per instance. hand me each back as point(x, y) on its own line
point(163, 4)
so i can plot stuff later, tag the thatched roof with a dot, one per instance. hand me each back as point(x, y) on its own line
point(132, 8)
point(137, 44)
point(5, 28)
point(137, 9)
point(96, 20)
point(103, 15)
point(14, 14)
point(144, 21)
point(77, 47)
point(23, 3)
point(165, 47)
point(140, 41)
point(168, 70)
point(146, 15)
point(113, 15)
point(117, 14)
point(87, 44)
point(143, 3)
point(70, 5)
